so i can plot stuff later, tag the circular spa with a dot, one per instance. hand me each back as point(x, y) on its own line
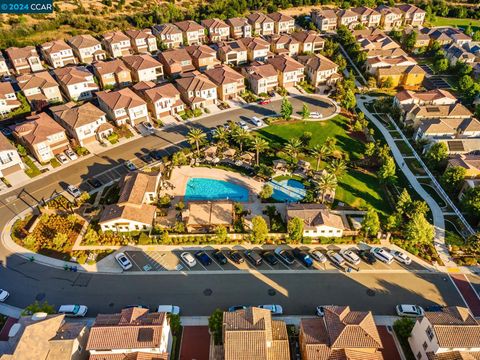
point(211, 189)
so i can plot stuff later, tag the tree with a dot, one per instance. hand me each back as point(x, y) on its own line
point(242, 137)
point(295, 229)
point(465, 82)
point(221, 233)
point(259, 229)
point(468, 30)
point(305, 111)
point(319, 152)
point(266, 192)
point(175, 323)
point(440, 65)
point(476, 36)
point(387, 172)
point(286, 109)
point(410, 40)
point(418, 230)
point(37, 307)
point(369, 149)
point(293, 148)
point(417, 207)
point(325, 184)
point(305, 138)
point(179, 158)
point(195, 136)
point(452, 179)
point(372, 82)
point(387, 83)
point(349, 101)
point(60, 240)
point(437, 155)
point(337, 167)
point(471, 201)
point(221, 135)
point(403, 327)
point(215, 323)
point(371, 222)
point(259, 145)
point(22, 151)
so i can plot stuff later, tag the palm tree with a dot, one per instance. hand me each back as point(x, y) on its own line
point(242, 136)
point(293, 147)
point(330, 143)
point(221, 135)
point(259, 145)
point(195, 136)
point(319, 152)
point(325, 184)
point(337, 167)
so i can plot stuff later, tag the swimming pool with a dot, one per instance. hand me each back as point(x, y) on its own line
point(288, 190)
point(211, 189)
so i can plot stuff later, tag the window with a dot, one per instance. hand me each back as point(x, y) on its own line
point(419, 355)
point(429, 333)
point(424, 345)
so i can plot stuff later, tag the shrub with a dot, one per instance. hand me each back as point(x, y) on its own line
point(144, 239)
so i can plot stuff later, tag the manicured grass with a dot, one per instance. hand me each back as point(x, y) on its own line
point(442, 21)
point(31, 169)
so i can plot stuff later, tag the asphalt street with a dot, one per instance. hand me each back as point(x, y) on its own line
point(197, 293)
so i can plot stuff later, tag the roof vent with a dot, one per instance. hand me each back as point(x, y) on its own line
point(39, 316)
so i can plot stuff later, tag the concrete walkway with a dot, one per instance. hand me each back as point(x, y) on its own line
point(438, 218)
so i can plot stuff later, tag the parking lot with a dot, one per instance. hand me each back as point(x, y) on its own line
point(172, 261)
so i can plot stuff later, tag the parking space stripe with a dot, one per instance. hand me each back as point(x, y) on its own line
point(133, 261)
point(220, 266)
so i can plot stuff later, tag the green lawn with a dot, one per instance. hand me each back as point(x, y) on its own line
point(441, 21)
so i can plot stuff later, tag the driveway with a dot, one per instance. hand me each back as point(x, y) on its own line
point(195, 343)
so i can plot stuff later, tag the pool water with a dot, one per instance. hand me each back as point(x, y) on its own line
point(289, 190)
point(211, 189)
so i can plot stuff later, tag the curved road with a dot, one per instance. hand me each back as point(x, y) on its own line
point(198, 294)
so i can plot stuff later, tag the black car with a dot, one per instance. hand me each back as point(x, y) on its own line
point(203, 258)
point(95, 183)
point(303, 257)
point(157, 155)
point(434, 308)
point(285, 256)
point(367, 256)
point(236, 257)
point(218, 255)
point(270, 258)
point(253, 257)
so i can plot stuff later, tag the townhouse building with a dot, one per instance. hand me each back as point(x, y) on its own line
point(217, 29)
point(162, 100)
point(261, 24)
point(197, 90)
point(455, 53)
point(392, 17)
point(367, 17)
point(143, 41)
point(42, 136)
point(471, 164)
point(229, 82)
point(176, 62)
point(123, 107)
point(430, 97)
point(290, 72)
point(261, 78)
point(4, 70)
point(324, 19)
point(24, 60)
point(117, 44)
point(453, 128)
point(319, 220)
point(415, 114)
point(57, 53)
point(309, 41)
point(203, 56)
point(112, 74)
point(284, 45)
point(348, 18)
point(257, 49)
point(410, 77)
point(169, 35)
point(374, 63)
point(40, 89)
point(412, 15)
point(233, 53)
point(87, 49)
point(80, 121)
point(8, 98)
point(144, 68)
point(282, 23)
point(76, 82)
point(319, 69)
point(193, 33)
point(239, 27)
point(10, 160)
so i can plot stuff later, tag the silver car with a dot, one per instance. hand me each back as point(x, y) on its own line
point(317, 255)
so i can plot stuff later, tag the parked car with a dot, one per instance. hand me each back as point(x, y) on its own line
point(367, 256)
point(401, 257)
point(147, 125)
point(275, 309)
point(94, 182)
point(264, 102)
point(434, 308)
point(218, 255)
point(335, 258)
point(257, 121)
point(270, 258)
point(188, 258)
point(351, 256)
point(203, 258)
point(408, 310)
point(130, 166)
point(169, 309)
point(315, 115)
point(243, 125)
point(4, 294)
point(123, 261)
point(382, 255)
point(253, 257)
point(236, 257)
point(74, 191)
point(285, 256)
point(62, 158)
point(73, 310)
point(303, 257)
point(317, 255)
point(71, 155)
point(236, 307)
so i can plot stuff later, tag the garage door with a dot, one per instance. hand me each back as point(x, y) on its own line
point(11, 169)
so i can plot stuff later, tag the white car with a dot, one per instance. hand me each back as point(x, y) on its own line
point(243, 125)
point(62, 158)
point(408, 310)
point(315, 115)
point(351, 257)
point(4, 294)
point(73, 310)
point(335, 258)
point(382, 255)
point(149, 127)
point(123, 261)
point(188, 258)
point(401, 257)
point(71, 155)
point(275, 309)
point(74, 191)
point(317, 255)
point(169, 309)
point(257, 121)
